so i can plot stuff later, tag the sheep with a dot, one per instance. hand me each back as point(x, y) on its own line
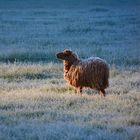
point(89, 73)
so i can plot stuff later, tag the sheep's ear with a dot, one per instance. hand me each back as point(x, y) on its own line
point(68, 52)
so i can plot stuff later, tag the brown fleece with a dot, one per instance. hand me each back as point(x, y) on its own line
point(92, 72)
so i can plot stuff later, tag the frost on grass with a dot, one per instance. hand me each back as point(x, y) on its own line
point(35, 35)
point(60, 130)
point(46, 107)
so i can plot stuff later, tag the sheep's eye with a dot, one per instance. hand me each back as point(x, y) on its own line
point(66, 55)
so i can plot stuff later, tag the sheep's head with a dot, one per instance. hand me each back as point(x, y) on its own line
point(67, 55)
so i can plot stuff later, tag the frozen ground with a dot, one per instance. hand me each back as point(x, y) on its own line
point(36, 34)
point(36, 103)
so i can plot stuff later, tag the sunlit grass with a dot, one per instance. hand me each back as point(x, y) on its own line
point(35, 97)
point(42, 108)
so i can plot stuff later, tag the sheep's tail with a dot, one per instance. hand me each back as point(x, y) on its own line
point(106, 78)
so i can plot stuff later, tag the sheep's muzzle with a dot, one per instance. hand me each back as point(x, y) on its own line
point(60, 55)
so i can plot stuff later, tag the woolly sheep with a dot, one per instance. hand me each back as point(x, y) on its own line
point(89, 73)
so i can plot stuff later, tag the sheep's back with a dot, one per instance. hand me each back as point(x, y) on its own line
point(92, 72)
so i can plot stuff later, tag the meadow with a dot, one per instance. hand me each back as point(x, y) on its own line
point(36, 103)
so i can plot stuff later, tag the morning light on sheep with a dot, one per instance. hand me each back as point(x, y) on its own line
point(92, 72)
point(69, 70)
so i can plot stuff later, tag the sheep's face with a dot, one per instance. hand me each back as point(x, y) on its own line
point(67, 55)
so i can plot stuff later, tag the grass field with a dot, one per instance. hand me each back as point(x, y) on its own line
point(36, 103)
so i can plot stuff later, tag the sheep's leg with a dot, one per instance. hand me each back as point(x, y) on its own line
point(75, 91)
point(102, 92)
point(80, 90)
